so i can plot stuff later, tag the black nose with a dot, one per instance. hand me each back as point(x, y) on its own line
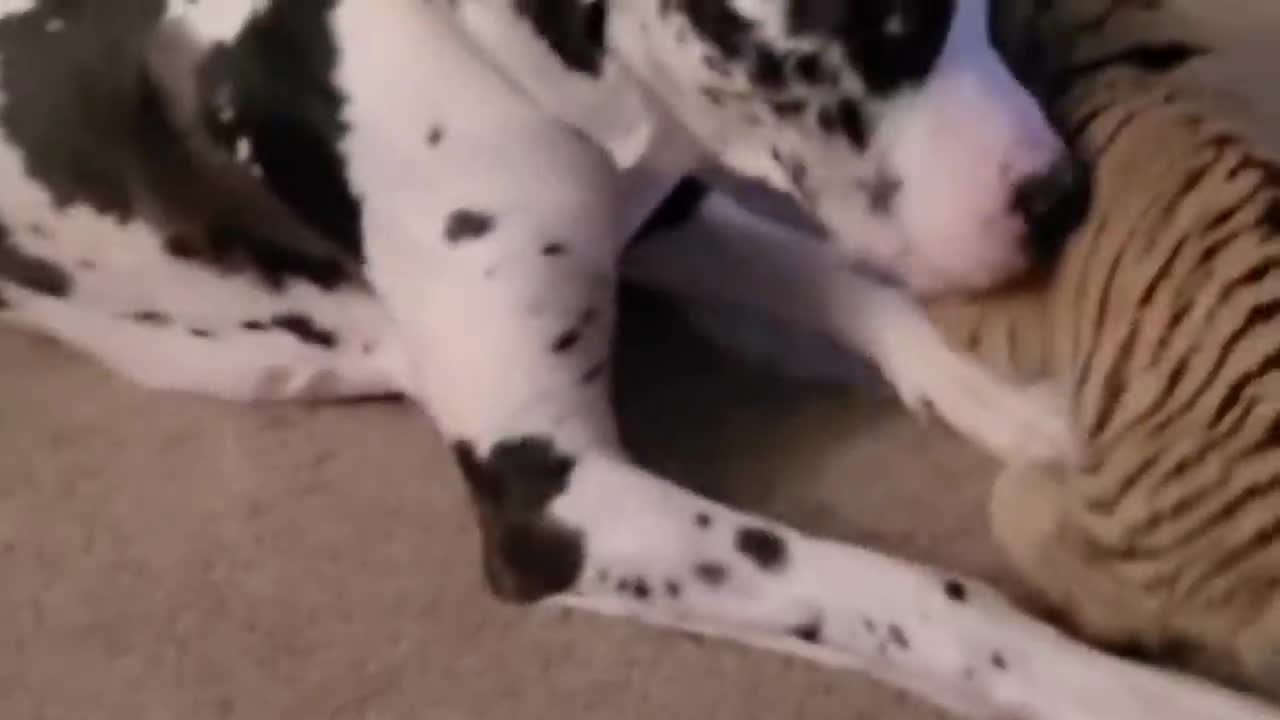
point(1053, 204)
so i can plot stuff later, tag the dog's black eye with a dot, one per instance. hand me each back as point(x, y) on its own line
point(897, 42)
point(890, 44)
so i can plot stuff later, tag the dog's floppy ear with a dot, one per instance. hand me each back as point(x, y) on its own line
point(565, 72)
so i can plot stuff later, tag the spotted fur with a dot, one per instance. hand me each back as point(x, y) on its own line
point(1161, 326)
point(341, 198)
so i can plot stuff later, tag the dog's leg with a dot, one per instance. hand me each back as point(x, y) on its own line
point(724, 254)
point(112, 292)
point(283, 358)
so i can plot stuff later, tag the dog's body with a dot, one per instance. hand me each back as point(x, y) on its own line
point(337, 198)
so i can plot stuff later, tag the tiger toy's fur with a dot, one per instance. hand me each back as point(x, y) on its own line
point(1161, 323)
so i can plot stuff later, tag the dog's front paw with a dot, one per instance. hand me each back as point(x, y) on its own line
point(1018, 423)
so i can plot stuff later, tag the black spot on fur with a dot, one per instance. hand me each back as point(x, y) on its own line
point(554, 249)
point(898, 637)
point(714, 96)
point(569, 338)
point(200, 332)
point(810, 632)
point(255, 325)
point(673, 589)
point(956, 591)
point(788, 107)
point(767, 69)
point(151, 317)
point(882, 192)
point(711, 573)
point(305, 329)
point(765, 548)
point(434, 135)
point(640, 590)
point(809, 69)
point(998, 661)
point(566, 340)
point(851, 122)
point(574, 29)
point(528, 555)
point(462, 225)
point(702, 520)
point(595, 371)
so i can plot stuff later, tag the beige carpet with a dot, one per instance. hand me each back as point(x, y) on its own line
point(170, 558)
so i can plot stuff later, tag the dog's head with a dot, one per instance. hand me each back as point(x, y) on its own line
point(895, 122)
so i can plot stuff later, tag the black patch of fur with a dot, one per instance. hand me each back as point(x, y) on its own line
point(711, 573)
point(956, 591)
point(71, 98)
point(998, 661)
point(305, 329)
point(528, 555)
point(765, 548)
point(810, 632)
point(595, 371)
point(570, 337)
point(151, 317)
point(279, 74)
point(464, 224)
point(851, 122)
point(99, 124)
point(574, 29)
point(898, 637)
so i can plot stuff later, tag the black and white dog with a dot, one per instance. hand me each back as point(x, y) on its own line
point(282, 199)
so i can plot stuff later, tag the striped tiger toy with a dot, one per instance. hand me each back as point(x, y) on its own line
point(1161, 323)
